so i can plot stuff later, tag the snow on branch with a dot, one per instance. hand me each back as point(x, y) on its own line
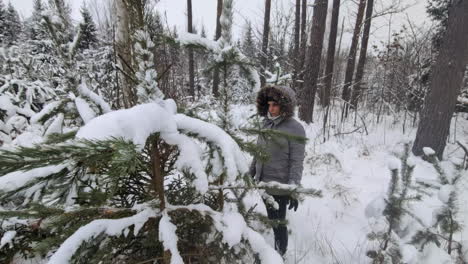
point(189, 158)
point(234, 159)
point(98, 100)
point(111, 227)
point(17, 179)
point(190, 39)
point(47, 110)
point(85, 111)
point(7, 238)
point(291, 188)
point(138, 123)
point(135, 124)
point(168, 236)
point(233, 227)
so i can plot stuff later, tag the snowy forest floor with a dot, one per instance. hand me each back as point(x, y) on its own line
point(352, 170)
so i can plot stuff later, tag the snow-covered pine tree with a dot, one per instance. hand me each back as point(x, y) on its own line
point(390, 232)
point(76, 102)
point(11, 26)
point(132, 185)
point(23, 91)
point(88, 30)
point(249, 47)
point(60, 13)
point(36, 29)
point(237, 72)
point(445, 226)
point(2, 21)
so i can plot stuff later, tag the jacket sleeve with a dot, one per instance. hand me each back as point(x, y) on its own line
point(296, 156)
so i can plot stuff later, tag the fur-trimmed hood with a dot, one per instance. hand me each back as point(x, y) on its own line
point(283, 95)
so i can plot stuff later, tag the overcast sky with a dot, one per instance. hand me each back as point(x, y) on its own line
point(204, 12)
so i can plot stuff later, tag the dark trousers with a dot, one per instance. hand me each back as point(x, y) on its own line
point(280, 230)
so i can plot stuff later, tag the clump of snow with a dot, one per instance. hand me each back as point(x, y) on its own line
point(85, 111)
point(394, 163)
point(409, 253)
point(266, 253)
point(434, 255)
point(445, 191)
point(6, 105)
point(170, 105)
point(135, 124)
point(411, 161)
point(168, 236)
point(428, 151)
point(7, 239)
point(375, 207)
point(56, 126)
point(85, 91)
point(111, 227)
point(17, 179)
point(233, 223)
point(186, 38)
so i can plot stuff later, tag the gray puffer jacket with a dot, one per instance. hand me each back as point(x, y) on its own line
point(285, 163)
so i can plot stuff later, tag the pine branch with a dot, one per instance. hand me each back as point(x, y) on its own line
point(291, 188)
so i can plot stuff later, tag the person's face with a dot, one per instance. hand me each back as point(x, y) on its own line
point(273, 108)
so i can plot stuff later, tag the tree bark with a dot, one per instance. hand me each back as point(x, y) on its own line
point(331, 53)
point(357, 88)
point(314, 55)
point(350, 64)
point(446, 81)
point(217, 36)
point(190, 51)
point(303, 46)
point(297, 41)
point(266, 33)
point(157, 178)
point(124, 53)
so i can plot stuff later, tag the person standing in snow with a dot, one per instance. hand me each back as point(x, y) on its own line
point(285, 155)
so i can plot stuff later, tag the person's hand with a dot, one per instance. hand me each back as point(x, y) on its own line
point(293, 203)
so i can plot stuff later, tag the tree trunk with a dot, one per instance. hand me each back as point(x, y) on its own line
point(357, 88)
point(124, 53)
point(297, 41)
point(303, 46)
point(157, 178)
point(190, 51)
point(352, 57)
point(331, 53)
point(445, 84)
point(217, 36)
point(314, 54)
point(266, 33)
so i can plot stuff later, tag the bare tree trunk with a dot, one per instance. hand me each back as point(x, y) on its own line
point(190, 51)
point(357, 88)
point(217, 36)
point(266, 34)
point(297, 40)
point(352, 56)
point(331, 53)
point(124, 53)
point(445, 84)
point(314, 55)
point(303, 46)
